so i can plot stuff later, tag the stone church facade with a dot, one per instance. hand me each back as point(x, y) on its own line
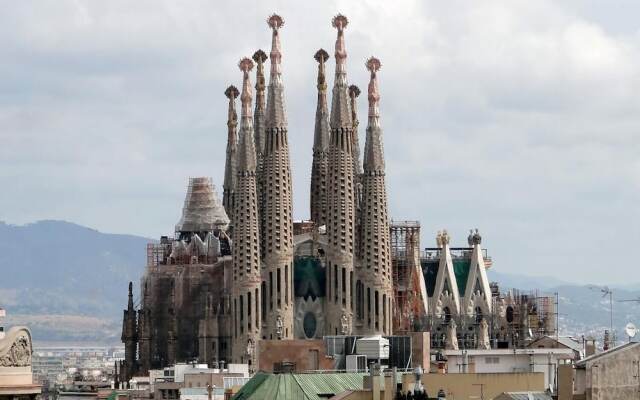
point(240, 270)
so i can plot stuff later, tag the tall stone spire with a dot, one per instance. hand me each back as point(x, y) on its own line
point(376, 272)
point(259, 129)
point(321, 138)
point(129, 335)
point(259, 113)
point(340, 197)
point(354, 92)
point(231, 162)
point(246, 242)
point(277, 221)
point(144, 334)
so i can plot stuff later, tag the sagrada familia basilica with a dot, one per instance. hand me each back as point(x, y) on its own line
point(241, 270)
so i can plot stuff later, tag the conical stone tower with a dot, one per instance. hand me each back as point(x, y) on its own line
point(259, 117)
point(354, 92)
point(340, 225)
point(230, 166)
point(375, 274)
point(246, 249)
point(277, 228)
point(321, 138)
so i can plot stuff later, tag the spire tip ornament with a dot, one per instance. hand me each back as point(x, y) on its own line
point(354, 91)
point(321, 56)
point(231, 92)
point(275, 21)
point(373, 64)
point(245, 65)
point(260, 56)
point(339, 22)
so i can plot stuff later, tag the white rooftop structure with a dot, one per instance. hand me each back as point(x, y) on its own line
point(202, 210)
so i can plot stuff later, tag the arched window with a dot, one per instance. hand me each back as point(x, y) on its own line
point(263, 300)
point(509, 314)
point(359, 300)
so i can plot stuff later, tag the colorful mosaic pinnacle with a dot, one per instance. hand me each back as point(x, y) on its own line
point(373, 65)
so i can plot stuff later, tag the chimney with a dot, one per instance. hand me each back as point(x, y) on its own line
point(589, 347)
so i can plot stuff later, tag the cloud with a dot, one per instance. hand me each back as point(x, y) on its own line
point(520, 118)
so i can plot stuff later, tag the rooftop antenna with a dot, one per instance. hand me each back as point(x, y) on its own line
point(631, 330)
point(606, 291)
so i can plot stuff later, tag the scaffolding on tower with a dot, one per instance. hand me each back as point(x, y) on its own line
point(406, 270)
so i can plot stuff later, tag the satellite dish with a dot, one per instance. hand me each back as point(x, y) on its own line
point(631, 330)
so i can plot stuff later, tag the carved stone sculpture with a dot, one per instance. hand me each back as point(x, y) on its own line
point(452, 337)
point(445, 237)
point(483, 337)
point(19, 354)
point(344, 325)
point(477, 239)
point(279, 326)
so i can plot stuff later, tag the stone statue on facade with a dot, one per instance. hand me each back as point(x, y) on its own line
point(445, 237)
point(344, 325)
point(19, 354)
point(483, 337)
point(476, 239)
point(250, 348)
point(452, 336)
point(279, 327)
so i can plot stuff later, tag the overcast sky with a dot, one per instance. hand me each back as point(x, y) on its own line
point(521, 118)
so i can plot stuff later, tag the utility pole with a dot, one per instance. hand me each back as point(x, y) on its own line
point(605, 290)
point(557, 318)
point(636, 373)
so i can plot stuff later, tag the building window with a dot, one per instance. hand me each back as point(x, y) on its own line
point(263, 296)
point(377, 309)
point(257, 297)
point(286, 284)
point(384, 313)
point(235, 317)
point(359, 300)
point(335, 283)
point(278, 287)
point(344, 286)
point(369, 307)
point(352, 283)
point(271, 290)
point(249, 309)
point(241, 314)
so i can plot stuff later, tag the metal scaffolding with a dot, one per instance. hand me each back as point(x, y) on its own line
point(405, 253)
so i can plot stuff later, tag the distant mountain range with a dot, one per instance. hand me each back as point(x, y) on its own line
point(69, 283)
point(583, 309)
point(66, 281)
